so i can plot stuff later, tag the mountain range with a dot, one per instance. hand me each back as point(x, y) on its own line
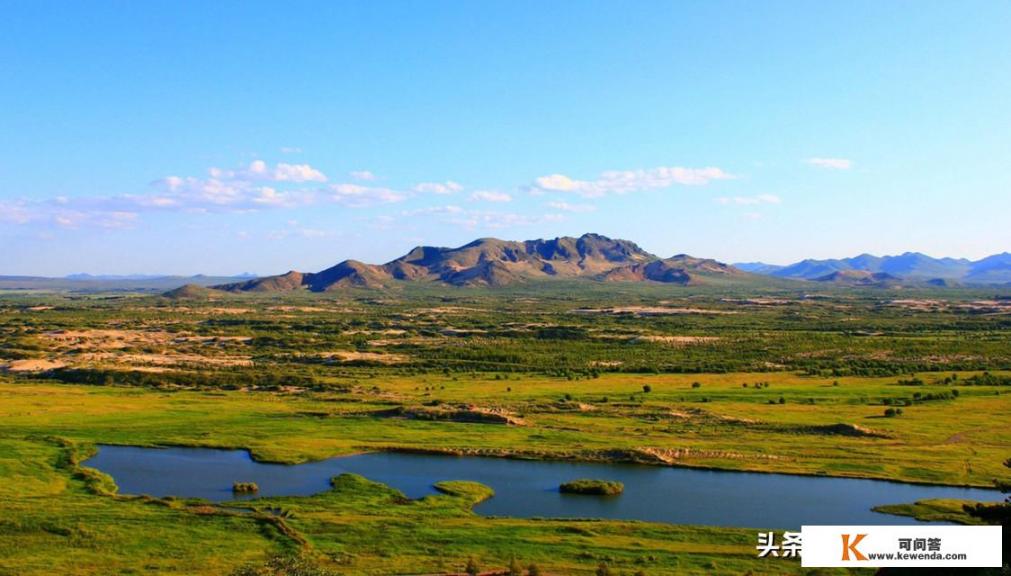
point(911, 266)
point(494, 262)
point(591, 257)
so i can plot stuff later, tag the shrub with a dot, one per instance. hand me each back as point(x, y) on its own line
point(696, 384)
point(647, 388)
point(890, 412)
point(472, 568)
point(594, 487)
point(285, 566)
point(245, 487)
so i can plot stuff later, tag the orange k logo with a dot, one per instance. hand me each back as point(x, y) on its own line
point(848, 547)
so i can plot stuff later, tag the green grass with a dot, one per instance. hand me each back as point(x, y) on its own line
point(768, 381)
point(54, 523)
point(933, 510)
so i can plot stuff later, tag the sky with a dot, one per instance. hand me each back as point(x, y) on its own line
point(175, 137)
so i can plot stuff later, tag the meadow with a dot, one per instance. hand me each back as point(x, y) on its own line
point(893, 385)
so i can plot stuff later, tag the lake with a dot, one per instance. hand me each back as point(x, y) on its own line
point(528, 488)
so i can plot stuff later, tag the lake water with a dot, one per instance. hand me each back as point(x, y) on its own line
point(526, 488)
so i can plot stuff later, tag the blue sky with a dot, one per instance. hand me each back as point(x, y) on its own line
point(224, 137)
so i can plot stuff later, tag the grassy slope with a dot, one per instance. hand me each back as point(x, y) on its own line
point(48, 514)
point(953, 442)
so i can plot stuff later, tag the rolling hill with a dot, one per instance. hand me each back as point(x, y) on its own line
point(493, 262)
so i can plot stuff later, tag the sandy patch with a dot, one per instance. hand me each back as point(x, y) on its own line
point(387, 332)
point(33, 365)
point(678, 341)
point(134, 360)
point(100, 339)
point(450, 310)
point(301, 309)
point(649, 310)
point(380, 358)
point(108, 339)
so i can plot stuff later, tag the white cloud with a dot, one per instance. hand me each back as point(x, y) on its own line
point(109, 220)
point(294, 229)
point(559, 183)
point(297, 173)
point(831, 163)
point(491, 196)
point(750, 200)
point(259, 170)
point(356, 195)
point(566, 207)
point(448, 187)
point(363, 175)
point(626, 181)
point(15, 212)
point(477, 219)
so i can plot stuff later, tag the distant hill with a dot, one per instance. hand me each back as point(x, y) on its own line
point(994, 269)
point(191, 292)
point(911, 266)
point(757, 267)
point(494, 262)
point(860, 278)
point(681, 269)
point(88, 283)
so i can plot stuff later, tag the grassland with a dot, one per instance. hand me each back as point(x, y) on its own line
point(774, 382)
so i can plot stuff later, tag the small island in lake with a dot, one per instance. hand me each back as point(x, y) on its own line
point(592, 487)
point(245, 488)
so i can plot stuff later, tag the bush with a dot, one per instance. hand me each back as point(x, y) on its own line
point(245, 487)
point(285, 566)
point(890, 412)
point(593, 487)
point(647, 388)
point(472, 568)
point(696, 384)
